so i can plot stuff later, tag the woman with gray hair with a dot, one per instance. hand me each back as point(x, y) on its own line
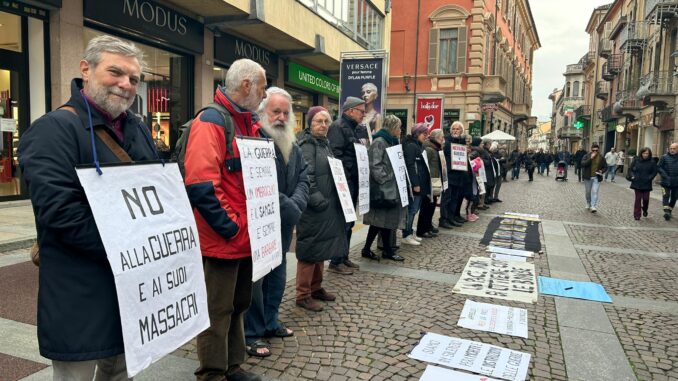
point(432, 146)
point(386, 212)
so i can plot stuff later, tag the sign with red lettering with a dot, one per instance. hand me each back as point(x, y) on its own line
point(430, 112)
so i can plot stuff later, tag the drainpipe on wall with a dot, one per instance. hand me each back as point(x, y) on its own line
point(416, 67)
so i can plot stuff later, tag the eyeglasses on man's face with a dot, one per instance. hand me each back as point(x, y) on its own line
point(362, 111)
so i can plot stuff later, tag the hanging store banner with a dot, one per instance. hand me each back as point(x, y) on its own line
point(148, 229)
point(498, 279)
point(397, 159)
point(365, 78)
point(341, 183)
point(472, 356)
point(363, 161)
point(430, 112)
point(494, 318)
point(263, 204)
point(311, 79)
point(459, 157)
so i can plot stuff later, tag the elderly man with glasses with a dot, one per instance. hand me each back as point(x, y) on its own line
point(343, 133)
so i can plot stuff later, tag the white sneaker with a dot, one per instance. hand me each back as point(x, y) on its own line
point(593, 210)
point(588, 207)
point(409, 240)
point(419, 239)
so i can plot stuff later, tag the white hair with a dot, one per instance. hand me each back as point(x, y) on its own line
point(274, 91)
point(370, 85)
point(436, 133)
point(114, 45)
point(460, 124)
point(241, 70)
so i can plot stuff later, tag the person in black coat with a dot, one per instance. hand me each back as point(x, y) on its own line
point(668, 170)
point(78, 314)
point(548, 158)
point(343, 133)
point(489, 172)
point(577, 161)
point(320, 230)
point(420, 179)
point(541, 160)
point(458, 181)
point(642, 171)
point(530, 163)
point(515, 162)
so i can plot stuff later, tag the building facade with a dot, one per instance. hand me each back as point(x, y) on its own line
point(476, 54)
point(634, 78)
point(189, 46)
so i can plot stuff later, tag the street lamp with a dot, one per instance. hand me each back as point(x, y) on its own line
point(406, 80)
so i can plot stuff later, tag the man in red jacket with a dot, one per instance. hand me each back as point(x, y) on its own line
point(215, 188)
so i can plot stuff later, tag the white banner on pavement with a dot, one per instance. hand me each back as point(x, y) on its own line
point(147, 226)
point(263, 204)
point(472, 356)
point(340, 182)
point(498, 279)
point(494, 318)
point(459, 157)
point(501, 250)
point(363, 178)
point(506, 257)
point(436, 373)
point(395, 155)
point(443, 171)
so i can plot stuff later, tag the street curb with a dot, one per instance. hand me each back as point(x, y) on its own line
point(17, 244)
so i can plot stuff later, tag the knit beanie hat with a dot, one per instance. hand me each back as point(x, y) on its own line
point(419, 128)
point(311, 113)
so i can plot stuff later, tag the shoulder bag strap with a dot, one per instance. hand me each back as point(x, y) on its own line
point(107, 139)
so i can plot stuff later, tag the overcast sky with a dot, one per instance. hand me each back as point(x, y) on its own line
point(562, 31)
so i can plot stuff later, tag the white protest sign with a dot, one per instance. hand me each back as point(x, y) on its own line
point(436, 373)
point(443, 171)
point(7, 125)
point(481, 185)
point(481, 172)
point(147, 226)
point(498, 279)
point(506, 257)
point(260, 180)
point(363, 178)
point(425, 156)
point(522, 214)
point(501, 250)
point(472, 356)
point(340, 182)
point(494, 318)
point(459, 157)
point(395, 156)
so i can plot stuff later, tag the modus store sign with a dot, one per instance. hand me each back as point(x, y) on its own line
point(148, 18)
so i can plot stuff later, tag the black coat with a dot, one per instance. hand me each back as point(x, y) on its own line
point(642, 172)
point(416, 167)
point(586, 166)
point(668, 169)
point(292, 190)
point(529, 160)
point(487, 162)
point(342, 134)
point(320, 232)
point(578, 156)
point(455, 178)
point(78, 315)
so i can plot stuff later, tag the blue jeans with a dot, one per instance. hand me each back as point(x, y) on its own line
point(267, 293)
point(542, 167)
point(515, 173)
point(412, 209)
point(592, 186)
point(611, 170)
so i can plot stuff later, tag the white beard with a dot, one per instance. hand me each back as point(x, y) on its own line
point(283, 137)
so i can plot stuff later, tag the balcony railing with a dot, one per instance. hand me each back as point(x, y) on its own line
point(574, 69)
point(605, 47)
point(656, 83)
point(602, 90)
point(621, 24)
point(657, 11)
point(633, 37)
point(625, 101)
point(570, 133)
point(612, 67)
point(583, 111)
point(606, 115)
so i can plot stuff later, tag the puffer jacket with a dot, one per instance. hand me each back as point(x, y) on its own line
point(342, 134)
point(432, 148)
point(642, 172)
point(416, 167)
point(668, 169)
point(320, 232)
point(214, 181)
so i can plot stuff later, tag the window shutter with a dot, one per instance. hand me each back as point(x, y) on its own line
point(433, 42)
point(461, 50)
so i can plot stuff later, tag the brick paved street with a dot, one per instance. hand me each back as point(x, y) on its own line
point(382, 310)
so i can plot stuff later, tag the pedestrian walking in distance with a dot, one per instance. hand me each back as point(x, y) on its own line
point(642, 171)
point(611, 161)
point(592, 166)
point(668, 169)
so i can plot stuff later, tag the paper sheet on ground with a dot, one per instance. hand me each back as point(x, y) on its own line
point(494, 318)
point(519, 216)
point(436, 373)
point(491, 278)
point(147, 227)
point(573, 289)
point(506, 257)
point(472, 356)
point(523, 214)
point(502, 250)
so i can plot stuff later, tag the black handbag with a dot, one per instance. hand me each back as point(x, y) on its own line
point(383, 197)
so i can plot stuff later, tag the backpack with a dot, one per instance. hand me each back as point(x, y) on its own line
point(179, 154)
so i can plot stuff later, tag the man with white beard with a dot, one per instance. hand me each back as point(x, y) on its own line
point(79, 326)
point(277, 123)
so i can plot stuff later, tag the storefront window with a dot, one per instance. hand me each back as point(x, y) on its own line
point(333, 108)
point(162, 96)
point(301, 102)
point(10, 47)
point(10, 32)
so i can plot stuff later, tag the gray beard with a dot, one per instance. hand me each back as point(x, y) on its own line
point(104, 98)
point(282, 137)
